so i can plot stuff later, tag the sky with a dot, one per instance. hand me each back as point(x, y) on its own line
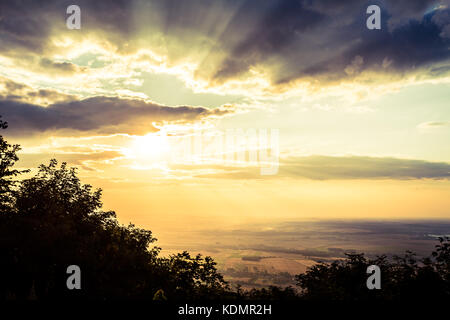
point(198, 114)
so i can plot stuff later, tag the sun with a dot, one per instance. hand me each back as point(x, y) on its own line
point(152, 146)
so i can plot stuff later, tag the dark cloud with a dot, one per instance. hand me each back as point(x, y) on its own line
point(59, 67)
point(12, 90)
point(99, 114)
point(27, 25)
point(295, 39)
point(353, 167)
point(333, 48)
point(22, 25)
point(323, 167)
point(275, 31)
point(322, 39)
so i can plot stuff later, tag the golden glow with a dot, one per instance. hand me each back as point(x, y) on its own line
point(374, 113)
point(148, 148)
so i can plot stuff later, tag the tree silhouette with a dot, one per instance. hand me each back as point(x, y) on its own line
point(8, 157)
point(403, 278)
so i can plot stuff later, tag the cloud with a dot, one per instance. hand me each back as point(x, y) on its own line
point(342, 168)
point(319, 42)
point(15, 91)
point(433, 124)
point(29, 25)
point(65, 68)
point(275, 30)
point(99, 115)
point(331, 41)
point(85, 159)
point(402, 48)
point(22, 26)
point(324, 167)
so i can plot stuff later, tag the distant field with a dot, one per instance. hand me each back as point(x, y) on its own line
point(253, 256)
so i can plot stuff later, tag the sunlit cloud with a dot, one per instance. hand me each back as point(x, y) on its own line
point(343, 168)
point(260, 51)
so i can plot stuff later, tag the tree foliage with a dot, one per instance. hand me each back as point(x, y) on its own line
point(403, 277)
point(8, 157)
